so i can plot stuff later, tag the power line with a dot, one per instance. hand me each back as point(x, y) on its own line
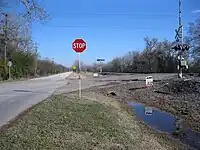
point(101, 26)
point(138, 16)
point(114, 15)
point(117, 14)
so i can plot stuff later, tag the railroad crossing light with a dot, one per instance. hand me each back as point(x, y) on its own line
point(176, 47)
point(183, 47)
point(186, 47)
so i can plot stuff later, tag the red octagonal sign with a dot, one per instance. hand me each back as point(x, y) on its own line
point(79, 45)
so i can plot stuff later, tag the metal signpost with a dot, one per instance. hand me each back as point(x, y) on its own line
point(180, 47)
point(100, 60)
point(79, 45)
point(9, 66)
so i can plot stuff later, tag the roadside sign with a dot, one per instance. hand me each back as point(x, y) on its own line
point(79, 45)
point(149, 81)
point(5, 28)
point(100, 68)
point(9, 64)
point(74, 67)
point(95, 74)
point(100, 59)
point(148, 111)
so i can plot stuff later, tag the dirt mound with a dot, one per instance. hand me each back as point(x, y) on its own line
point(188, 86)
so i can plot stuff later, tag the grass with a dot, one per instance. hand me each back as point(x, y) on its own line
point(12, 80)
point(65, 122)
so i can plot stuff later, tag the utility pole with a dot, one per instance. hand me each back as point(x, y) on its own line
point(6, 37)
point(53, 66)
point(180, 46)
point(36, 61)
point(26, 36)
point(180, 36)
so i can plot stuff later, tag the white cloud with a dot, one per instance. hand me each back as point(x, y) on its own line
point(196, 11)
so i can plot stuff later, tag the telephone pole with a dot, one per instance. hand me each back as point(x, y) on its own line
point(53, 66)
point(26, 39)
point(5, 28)
point(36, 61)
point(180, 36)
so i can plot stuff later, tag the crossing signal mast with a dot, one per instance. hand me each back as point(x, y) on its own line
point(180, 47)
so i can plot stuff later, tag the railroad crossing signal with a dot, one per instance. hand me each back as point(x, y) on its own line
point(178, 33)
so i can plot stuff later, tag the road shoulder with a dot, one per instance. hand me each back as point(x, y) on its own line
point(94, 122)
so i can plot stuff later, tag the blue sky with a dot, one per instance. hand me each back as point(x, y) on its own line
point(110, 27)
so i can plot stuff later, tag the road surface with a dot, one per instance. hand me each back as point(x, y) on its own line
point(90, 81)
point(16, 97)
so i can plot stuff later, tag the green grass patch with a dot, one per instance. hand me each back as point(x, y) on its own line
point(68, 123)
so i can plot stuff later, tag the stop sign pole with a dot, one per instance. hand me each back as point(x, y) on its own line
point(79, 46)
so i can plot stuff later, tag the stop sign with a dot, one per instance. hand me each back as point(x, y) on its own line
point(79, 45)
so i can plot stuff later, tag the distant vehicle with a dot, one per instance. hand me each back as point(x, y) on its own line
point(95, 74)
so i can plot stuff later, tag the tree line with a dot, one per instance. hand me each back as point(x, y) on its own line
point(16, 43)
point(158, 56)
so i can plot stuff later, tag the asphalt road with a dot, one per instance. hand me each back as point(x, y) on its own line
point(16, 97)
point(90, 81)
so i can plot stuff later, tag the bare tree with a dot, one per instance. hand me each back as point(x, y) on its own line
point(194, 37)
point(150, 44)
point(148, 51)
point(34, 11)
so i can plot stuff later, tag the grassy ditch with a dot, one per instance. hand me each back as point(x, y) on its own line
point(93, 123)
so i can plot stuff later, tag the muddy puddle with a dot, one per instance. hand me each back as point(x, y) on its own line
point(167, 123)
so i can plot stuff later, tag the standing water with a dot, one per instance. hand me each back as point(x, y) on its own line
point(166, 123)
